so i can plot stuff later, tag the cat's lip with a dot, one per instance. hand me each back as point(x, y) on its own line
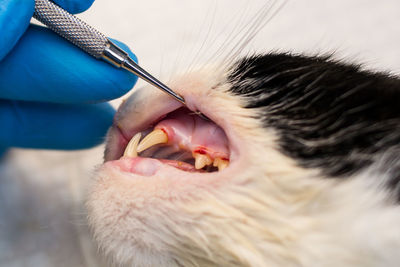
point(134, 115)
point(138, 113)
point(187, 142)
point(146, 166)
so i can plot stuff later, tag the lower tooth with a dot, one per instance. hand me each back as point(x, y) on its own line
point(220, 163)
point(201, 160)
point(131, 148)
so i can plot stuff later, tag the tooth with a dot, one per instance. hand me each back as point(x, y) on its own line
point(201, 160)
point(157, 136)
point(220, 163)
point(130, 150)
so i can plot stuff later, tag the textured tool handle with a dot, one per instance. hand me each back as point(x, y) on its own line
point(70, 27)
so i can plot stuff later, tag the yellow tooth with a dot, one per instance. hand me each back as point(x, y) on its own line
point(130, 150)
point(201, 160)
point(156, 137)
point(220, 163)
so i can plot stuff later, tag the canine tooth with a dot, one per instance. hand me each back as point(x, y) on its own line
point(201, 160)
point(220, 163)
point(156, 137)
point(130, 150)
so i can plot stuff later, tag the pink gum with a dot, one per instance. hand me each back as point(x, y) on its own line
point(196, 135)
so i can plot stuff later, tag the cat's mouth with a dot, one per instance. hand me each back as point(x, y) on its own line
point(174, 136)
point(183, 140)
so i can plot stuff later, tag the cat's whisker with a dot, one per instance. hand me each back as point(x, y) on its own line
point(177, 62)
point(229, 41)
point(232, 35)
point(261, 20)
point(242, 32)
point(206, 38)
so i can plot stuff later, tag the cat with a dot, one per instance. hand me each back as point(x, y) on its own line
point(312, 178)
point(309, 151)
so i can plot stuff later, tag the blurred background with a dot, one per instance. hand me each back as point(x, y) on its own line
point(42, 193)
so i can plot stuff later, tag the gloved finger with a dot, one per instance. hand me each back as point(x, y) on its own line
point(14, 19)
point(45, 67)
point(3, 151)
point(53, 126)
point(74, 6)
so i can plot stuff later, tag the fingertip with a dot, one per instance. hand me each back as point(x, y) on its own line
point(14, 20)
point(74, 6)
point(43, 61)
point(54, 126)
point(92, 130)
point(3, 152)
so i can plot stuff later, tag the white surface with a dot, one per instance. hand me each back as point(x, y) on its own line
point(42, 220)
point(161, 31)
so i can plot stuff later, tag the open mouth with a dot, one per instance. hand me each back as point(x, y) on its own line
point(180, 139)
point(183, 140)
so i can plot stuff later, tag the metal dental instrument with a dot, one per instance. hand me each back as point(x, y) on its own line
point(92, 41)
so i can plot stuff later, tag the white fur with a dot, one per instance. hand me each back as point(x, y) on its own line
point(263, 210)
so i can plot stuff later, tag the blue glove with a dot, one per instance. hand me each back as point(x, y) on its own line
point(50, 90)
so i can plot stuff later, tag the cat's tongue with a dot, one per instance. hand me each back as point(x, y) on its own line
point(195, 134)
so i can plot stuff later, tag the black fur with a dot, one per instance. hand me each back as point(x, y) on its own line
point(330, 115)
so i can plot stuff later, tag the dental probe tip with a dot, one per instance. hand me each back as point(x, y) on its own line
point(92, 41)
point(118, 57)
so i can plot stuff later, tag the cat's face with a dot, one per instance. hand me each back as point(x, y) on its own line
point(305, 141)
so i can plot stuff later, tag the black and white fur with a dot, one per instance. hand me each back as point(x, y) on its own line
point(330, 115)
point(312, 179)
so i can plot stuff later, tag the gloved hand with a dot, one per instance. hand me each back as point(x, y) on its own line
point(50, 90)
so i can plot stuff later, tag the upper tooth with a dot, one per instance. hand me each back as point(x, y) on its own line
point(130, 150)
point(220, 163)
point(157, 136)
point(201, 160)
